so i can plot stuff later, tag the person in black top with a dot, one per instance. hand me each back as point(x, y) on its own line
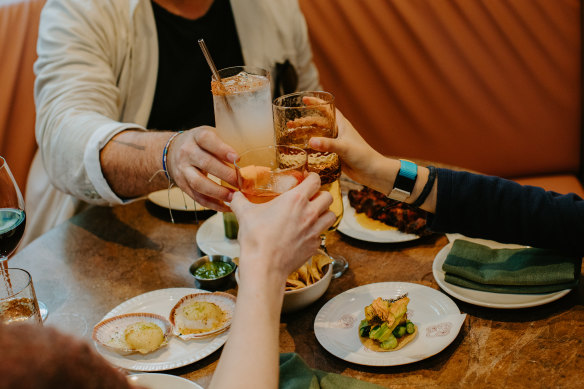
point(471, 204)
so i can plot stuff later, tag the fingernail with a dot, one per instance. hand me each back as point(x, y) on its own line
point(229, 197)
point(315, 142)
point(232, 157)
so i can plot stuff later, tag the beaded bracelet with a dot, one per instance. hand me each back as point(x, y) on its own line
point(427, 188)
point(165, 153)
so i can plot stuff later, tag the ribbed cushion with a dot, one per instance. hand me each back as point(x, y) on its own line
point(18, 35)
point(488, 85)
point(561, 183)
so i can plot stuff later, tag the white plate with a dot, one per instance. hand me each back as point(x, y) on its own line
point(178, 352)
point(175, 199)
point(161, 381)
point(351, 227)
point(211, 238)
point(489, 299)
point(437, 317)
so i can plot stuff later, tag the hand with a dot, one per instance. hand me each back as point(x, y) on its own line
point(277, 237)
point(360, 161)
point(195, 153)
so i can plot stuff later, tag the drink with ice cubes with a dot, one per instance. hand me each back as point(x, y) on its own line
point(266, 172)
point(242, 103)
point(243, 107)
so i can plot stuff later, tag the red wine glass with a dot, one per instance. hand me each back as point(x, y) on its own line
point(12, 221)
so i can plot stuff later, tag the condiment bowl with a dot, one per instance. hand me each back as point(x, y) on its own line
point(213, 283)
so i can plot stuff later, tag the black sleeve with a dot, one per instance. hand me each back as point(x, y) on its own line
point(505, 211)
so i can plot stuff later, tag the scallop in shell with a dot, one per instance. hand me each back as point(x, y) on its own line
point(200, 315)
point(133, 332)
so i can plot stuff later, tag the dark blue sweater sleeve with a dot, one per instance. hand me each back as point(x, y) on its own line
point(494, 208)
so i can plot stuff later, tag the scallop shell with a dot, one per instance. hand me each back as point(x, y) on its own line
point(110, 332)
point(206, 326)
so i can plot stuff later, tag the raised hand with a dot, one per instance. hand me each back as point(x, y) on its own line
point(195, 153)
point(278, 236)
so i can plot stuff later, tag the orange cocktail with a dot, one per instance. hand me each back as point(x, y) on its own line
point(266, 172)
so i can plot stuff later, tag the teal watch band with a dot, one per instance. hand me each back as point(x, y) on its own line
point(404, 181)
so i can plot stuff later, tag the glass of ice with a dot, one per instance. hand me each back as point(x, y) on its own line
point(242, 102)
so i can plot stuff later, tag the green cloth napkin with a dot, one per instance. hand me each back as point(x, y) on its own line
point(296, 374)
point(527, 270)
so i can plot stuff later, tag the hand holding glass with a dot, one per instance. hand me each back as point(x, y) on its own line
point(299, 117)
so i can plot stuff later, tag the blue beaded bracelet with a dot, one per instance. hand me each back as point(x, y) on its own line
point(165, 153)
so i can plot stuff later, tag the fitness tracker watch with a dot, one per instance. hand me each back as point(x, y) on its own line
point(405, 181)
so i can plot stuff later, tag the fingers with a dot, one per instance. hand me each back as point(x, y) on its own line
point(198, 182)
point(239, 204)
point(207, 139)
point(322, 201)
point(209, 202)
point(324, 222)
point(309, 186)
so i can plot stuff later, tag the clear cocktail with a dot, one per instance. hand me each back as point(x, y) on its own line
point(243, 115)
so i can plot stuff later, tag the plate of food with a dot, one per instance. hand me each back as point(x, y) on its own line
point(164, 329)
point(387, 324)
point(373, 217)
point(177, 200)
point(489, 299)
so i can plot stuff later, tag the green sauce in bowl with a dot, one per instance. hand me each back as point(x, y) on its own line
point(212, 270)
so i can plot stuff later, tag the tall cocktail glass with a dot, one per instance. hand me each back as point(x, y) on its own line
point(299, 117)
point(243, 115)
point(266, 172)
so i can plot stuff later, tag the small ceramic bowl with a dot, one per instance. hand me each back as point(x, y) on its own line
point(301, 298)
point(213, 283)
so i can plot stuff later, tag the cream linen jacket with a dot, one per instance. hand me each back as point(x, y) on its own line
point(96, 76)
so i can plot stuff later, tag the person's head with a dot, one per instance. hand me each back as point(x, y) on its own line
point(38, 357)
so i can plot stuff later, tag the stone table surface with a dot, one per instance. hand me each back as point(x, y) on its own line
point(88, 265)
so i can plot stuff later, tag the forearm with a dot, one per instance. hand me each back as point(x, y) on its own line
point(130, 162)
point(255, 327)
point(384, 172)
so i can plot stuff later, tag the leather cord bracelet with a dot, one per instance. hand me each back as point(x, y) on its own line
point(165, 153)
point(427, 188)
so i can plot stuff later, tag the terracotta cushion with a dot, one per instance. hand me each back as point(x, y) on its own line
point(488, 85)
point(560, 183)
point(18, 35)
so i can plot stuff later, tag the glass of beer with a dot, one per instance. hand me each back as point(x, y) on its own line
point(266, 172)
point(243, 115)
point(18, 302)
point(299, 117)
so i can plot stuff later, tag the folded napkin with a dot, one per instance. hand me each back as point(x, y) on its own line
point(296, 374)
point(525, 270)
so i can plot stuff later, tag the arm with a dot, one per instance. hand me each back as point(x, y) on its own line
point(293, 220)
point(471, 204)
point(365, 165)
point(82, 91)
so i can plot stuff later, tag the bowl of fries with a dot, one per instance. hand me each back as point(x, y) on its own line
point(307, 284)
